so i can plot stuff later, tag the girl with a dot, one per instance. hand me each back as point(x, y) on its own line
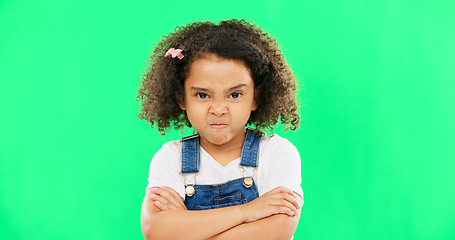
point(225, 182)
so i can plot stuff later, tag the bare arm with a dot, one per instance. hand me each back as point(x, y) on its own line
point(278, 226)
point(167, 220)
point(184, 224)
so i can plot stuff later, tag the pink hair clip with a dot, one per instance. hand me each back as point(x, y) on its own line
point(174, 53)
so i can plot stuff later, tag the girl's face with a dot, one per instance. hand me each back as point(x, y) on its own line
point(218, 99)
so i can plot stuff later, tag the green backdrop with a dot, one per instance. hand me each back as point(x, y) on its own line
point(377, 82)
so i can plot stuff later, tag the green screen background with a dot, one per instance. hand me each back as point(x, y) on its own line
point(377, 81)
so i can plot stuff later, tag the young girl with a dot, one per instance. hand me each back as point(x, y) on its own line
point(227, 181)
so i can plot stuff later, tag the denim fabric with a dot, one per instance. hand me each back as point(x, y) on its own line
point(191, 159)
point(250, 149)
point(220, 195)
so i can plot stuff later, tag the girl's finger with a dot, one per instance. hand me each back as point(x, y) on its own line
point(161, 206)
point(166, 205)
point(284, 203)
point(166, 197)
point(285, 193)
point(286, 211)
point(151, 190)
point(299, 199)
point(170, 198)
point(159, 198)
point(279, 190)
point(291, 199)
point(176, 196)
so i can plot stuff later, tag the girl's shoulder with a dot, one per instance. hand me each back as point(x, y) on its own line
point(172, 144)
point(276, 152)
point(169, 149)
point(275, 141)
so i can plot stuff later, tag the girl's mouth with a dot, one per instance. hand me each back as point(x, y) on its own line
point(218, 125)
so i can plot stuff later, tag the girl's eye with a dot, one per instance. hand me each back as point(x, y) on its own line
point(202, 95)
point(235, 95)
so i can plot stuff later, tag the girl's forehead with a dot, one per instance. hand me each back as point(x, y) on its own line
point(207, 59)
point(215, 72)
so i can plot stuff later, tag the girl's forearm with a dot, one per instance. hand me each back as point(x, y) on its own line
point(184, 224)
point(274, 215)
point(279, 226)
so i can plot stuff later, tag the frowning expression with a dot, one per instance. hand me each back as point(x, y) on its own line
point(219, 98)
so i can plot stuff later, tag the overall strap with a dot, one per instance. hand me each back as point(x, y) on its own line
point(250, 149)
point(190, 154)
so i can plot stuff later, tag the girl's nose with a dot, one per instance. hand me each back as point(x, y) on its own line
point(218, 108)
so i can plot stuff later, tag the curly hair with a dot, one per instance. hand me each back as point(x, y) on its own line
point(163, 81)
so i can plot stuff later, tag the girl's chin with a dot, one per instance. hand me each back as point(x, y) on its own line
point(218, 139)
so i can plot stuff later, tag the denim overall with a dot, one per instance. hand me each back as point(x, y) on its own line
point(233, 192)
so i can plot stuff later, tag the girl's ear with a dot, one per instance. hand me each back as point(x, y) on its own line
point(255, 100)
point(182, 105)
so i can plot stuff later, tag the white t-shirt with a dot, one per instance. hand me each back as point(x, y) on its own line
point(278, 165)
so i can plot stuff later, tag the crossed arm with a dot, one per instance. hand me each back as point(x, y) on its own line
point(274, 215)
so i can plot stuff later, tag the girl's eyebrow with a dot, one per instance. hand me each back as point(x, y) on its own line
point(199, 89)
point(237, 87)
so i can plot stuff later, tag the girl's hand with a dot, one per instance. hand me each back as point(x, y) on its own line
point(277, 201)
point(167, 198)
